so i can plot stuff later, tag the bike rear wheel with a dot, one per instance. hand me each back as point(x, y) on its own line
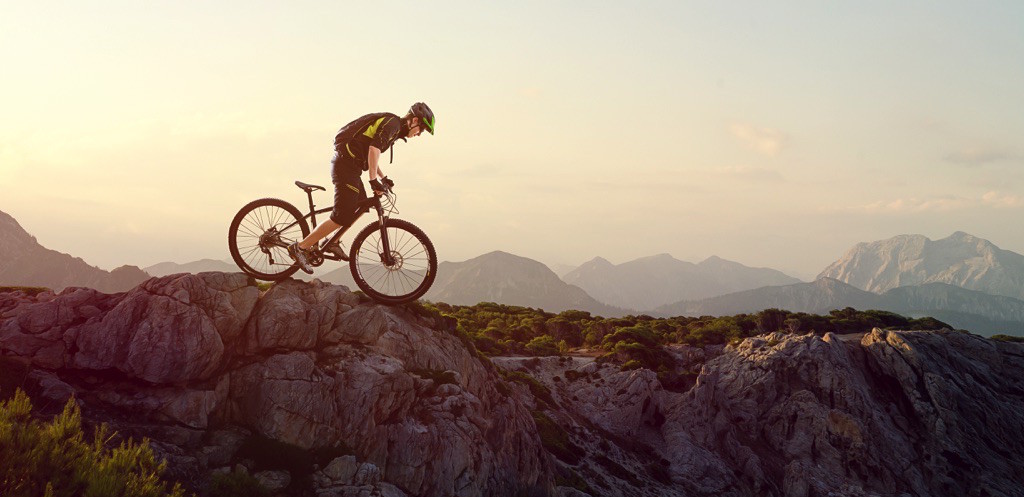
point(413, 268)
point(260, 234)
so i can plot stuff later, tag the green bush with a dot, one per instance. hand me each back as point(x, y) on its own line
point(543, 346)
point(538, 390)
point(29, 290)
point(555, 439)
point(496, 329)
point(53, 459)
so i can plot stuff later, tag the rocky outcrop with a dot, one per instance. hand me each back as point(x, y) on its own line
point(314, 391)
point(183, 357)
point(27, 263)
point(886, 413)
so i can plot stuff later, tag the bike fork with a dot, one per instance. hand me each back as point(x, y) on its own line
point(386, 257)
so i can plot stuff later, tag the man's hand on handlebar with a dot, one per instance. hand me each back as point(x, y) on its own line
point(381, 187)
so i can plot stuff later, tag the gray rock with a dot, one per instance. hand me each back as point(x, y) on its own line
point(167, 330)
point(274, 481)
point(52, 387)
point(888, 413)
point(341, 470)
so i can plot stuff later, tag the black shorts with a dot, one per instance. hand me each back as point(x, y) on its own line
point(348, 190)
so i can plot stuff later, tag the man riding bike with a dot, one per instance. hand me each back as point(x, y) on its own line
point(357, 148)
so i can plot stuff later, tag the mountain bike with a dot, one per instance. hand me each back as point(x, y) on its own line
point(392, 261)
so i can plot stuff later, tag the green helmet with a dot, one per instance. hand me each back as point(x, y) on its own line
point(420, 110)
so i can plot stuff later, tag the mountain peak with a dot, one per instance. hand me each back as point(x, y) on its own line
point(961, 236)
point(960, 259)
point(664, 255)
point(27, 263)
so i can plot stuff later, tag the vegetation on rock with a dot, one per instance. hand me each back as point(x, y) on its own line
point(498, 329)
point(54, 459)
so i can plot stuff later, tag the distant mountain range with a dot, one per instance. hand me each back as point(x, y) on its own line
point(963, 280)
point(658, 280)
point(960, 307)
point(27, 263)
point(509, 279)
point(961, 260)
point(200, 266)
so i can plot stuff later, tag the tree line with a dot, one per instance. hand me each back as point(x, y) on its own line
point(499, 329)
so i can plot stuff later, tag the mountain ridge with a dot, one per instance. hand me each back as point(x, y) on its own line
point(507, 278)
point(27, 263)
point(649, 282)
point(960, 259)
point(967, 309)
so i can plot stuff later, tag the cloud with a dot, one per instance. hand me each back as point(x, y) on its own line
point(765, 141)
point(979, 156)
point(942, 203)
point(996, 199)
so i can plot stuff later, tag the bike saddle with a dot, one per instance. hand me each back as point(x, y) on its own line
point(306, 187)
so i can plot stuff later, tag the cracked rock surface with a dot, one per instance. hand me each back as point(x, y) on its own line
point(389, 401)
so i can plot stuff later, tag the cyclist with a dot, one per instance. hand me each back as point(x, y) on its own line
point(357, 148)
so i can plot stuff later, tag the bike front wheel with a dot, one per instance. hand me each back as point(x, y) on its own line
point(403, 277)
point(259, 237)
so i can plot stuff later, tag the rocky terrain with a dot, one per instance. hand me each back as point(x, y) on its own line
point(390, 401)
point(25, 262)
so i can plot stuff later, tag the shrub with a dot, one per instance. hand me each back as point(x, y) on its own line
point(543, 346)
point(538, 390)
point(555, 439)
point(54, 459)
point(632, 364)
point(574, 480)
point(31, 291)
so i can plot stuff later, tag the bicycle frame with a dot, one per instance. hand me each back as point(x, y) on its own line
point(362, 207)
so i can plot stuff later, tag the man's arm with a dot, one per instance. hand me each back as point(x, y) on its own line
point(373, 160)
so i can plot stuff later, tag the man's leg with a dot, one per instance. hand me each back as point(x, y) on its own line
point(323, 229)
point(348, 191)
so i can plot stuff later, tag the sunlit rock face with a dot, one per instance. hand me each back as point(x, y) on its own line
point(907, 260)
point(881, 413)
point(391, 401)
point(184, 357)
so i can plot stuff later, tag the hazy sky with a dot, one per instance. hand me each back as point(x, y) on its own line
point(771, 133)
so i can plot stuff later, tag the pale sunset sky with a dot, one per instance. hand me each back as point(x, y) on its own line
point(774, 134)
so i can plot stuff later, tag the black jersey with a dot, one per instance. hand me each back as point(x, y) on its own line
point(355, 138)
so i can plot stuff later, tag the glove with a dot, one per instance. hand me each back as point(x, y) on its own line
point(376, 186)
point(388, 183)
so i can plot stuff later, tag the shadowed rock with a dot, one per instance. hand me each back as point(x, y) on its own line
point(207, 367)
